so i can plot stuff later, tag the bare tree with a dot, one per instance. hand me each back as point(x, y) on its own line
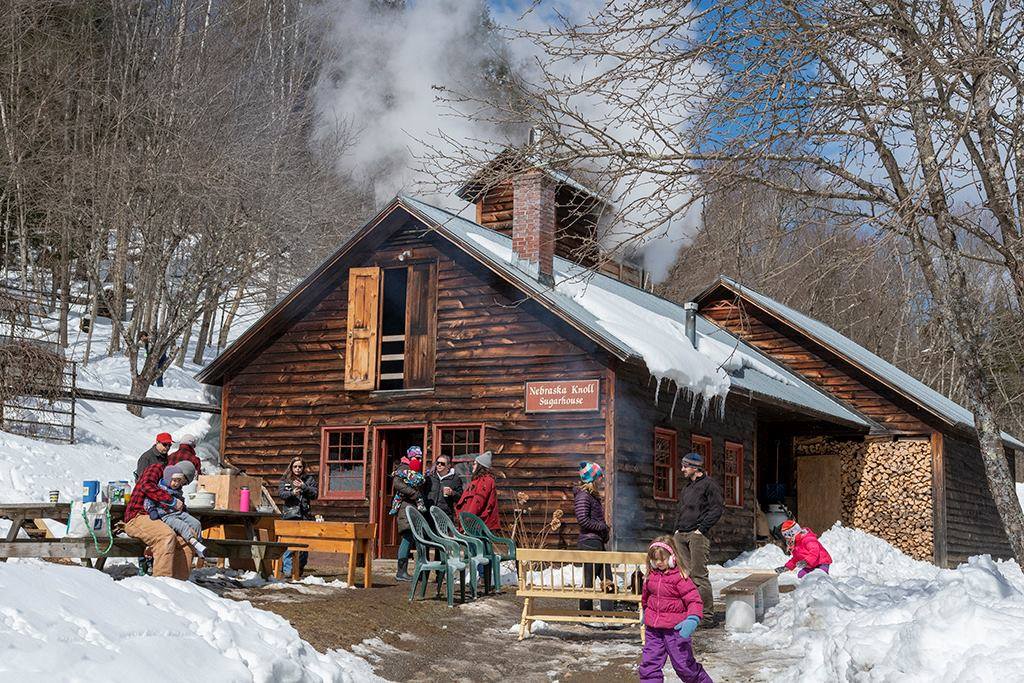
point(901, 118)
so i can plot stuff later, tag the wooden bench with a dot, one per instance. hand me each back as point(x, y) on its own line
point(747, 600)
point(354, 539)
point(551, 575)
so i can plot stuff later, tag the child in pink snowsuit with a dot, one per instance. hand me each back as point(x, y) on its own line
point(807, 552)
point(672, 610)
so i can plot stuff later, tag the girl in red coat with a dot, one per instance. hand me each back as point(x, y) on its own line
point(672, 610)
point(807, 552)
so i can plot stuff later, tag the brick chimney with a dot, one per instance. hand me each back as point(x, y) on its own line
point(533, 223)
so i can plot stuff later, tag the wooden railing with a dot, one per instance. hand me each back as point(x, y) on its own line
point(561, 575)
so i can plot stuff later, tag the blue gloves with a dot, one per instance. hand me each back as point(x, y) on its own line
point(687, 626)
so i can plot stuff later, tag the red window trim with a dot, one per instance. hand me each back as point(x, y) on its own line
point(709, 460)
point(736, 450)
point(673, 465)
point(325, 492)
point(435, 442)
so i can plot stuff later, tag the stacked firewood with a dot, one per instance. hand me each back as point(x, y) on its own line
point(886, 489)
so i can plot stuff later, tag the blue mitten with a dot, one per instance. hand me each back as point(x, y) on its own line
point(687, 626)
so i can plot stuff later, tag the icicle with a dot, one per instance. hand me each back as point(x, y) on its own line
point(672, 412)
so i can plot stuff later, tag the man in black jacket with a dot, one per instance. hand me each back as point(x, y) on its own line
point(156, 454)
point(700, 506)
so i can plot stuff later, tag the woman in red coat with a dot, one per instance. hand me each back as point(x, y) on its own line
point(481, 496)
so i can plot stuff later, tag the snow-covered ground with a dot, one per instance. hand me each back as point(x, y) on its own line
point(109, 439)
point(882, 616)
point(62, 623)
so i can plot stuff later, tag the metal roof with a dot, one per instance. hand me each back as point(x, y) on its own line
point(900, 381)
point(772, 380)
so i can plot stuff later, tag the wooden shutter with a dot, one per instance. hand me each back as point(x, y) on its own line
point(362, 341)
point(420, 325)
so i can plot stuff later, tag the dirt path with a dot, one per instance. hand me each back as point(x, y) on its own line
point(478, 641)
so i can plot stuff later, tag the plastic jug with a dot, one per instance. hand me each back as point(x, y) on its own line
point(90, 490)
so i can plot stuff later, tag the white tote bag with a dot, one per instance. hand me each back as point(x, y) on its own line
point(88, 520)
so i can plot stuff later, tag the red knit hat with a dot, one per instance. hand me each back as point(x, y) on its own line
point(790, 529)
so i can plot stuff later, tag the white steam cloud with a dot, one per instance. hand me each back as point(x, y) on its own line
point(382, 89)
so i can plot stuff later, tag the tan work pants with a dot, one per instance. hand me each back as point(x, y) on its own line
point(695, 549)
point(172, 555)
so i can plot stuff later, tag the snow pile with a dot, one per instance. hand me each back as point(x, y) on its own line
point(660, 340)
point(882, 616)
point(63, 622)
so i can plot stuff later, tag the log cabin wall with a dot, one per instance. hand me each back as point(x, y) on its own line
point(973, 525)
point(490, 340)
point(638, 515)
point(817, 365)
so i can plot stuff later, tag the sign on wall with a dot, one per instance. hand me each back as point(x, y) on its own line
point(575, 395)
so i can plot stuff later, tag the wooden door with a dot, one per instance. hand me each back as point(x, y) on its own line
point(819, 497)
point(362, 337)
point(392, 443)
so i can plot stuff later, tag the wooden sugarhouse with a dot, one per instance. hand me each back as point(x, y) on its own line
point(430, 329)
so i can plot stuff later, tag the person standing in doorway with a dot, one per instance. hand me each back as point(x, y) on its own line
point(407, 482)
point(594, 530)
point(297, 490)
point(700, 507)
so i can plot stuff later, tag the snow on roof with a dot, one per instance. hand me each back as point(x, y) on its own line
point(639, 324)
point(941, 405)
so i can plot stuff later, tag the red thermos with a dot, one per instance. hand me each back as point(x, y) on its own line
point(243, 499)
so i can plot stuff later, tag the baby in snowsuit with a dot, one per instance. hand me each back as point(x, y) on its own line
point(806, 551)
point(184, 524)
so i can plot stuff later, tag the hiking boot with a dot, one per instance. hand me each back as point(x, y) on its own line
point(403, 571)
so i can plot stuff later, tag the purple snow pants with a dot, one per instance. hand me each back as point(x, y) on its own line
point(805, 571)
point(666, 642)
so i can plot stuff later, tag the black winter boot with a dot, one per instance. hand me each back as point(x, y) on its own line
point(403, 571)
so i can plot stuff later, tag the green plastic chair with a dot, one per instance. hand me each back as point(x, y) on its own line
point(448, 562)
point(474, 526)
point(475, 548)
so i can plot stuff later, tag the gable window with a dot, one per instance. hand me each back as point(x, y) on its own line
point(391, 338)
point(666, 464)
point(343, 463)
point(732, 475)
point(702, 445)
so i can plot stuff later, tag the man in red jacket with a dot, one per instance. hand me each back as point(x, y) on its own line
point(172, 555)
point(186, 451)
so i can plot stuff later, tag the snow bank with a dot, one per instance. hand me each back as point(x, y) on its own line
point(70, 623)
point(882, 616)
point(660, 340)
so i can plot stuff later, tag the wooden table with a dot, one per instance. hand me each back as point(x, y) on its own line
point(261, 551)
point(354, 539)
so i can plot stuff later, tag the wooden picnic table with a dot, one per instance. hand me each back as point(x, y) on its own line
point(261, 552)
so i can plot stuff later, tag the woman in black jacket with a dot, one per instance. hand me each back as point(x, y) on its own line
point(296, 490)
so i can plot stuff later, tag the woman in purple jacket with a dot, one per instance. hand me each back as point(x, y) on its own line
point(593, 528)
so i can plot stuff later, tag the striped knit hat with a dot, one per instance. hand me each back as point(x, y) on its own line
point(590, 471)
point(790, 529)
